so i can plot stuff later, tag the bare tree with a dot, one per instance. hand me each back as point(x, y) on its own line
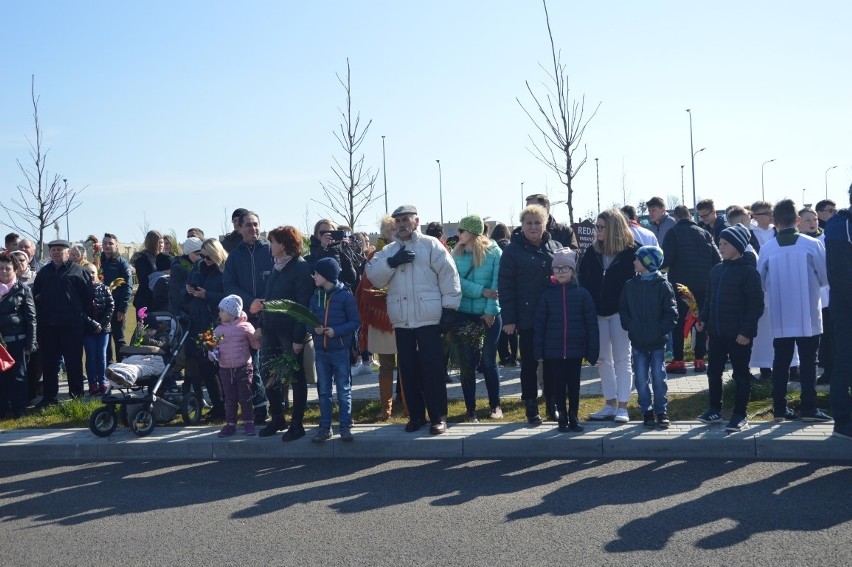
point(562, 122)
point(672, 201)
point(355, 187)
point(46, 198)
point(642, 207)
point(625, 185)
point(145, 225)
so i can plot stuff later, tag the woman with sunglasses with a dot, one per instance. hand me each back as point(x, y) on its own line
point(204, 290)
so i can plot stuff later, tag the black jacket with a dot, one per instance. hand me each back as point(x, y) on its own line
point(524, 275)
point(605, 285)
point(838, 255)
point(690, 254)
point(344, 255)
point(734, 300)
point(62, 294)
point(561, 233)
point(566, 325)
point(203, 311)
point(716, 232)
point(293, 282)
point(99, 310)
point(648, 311)
point(18, 315)
point(179, 300)
point(144, 268)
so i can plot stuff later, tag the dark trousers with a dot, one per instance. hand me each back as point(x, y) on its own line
point(507, 348)
point(841, 377)
point(677, 333)
point(66, 343)
point(722, 348)
point(201, 371)
point(236, 386)
point(422, 372)
point(826, 342)
point(272, 344)
point(808, 347)
point(34, 372)
point(529, 368)
point(117, 333)
point(564, 374)
point(13, 382)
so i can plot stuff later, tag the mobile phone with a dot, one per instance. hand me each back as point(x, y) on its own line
point(338, 235)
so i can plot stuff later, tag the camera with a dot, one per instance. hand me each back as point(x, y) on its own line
point(338, 235)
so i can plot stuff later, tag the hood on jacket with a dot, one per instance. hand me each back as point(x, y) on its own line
point(153, 277)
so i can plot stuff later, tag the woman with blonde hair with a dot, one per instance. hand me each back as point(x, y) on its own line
point(171, 246)
point(478, 263)
point(523, 277)
point(606, 266)
point(204, 290)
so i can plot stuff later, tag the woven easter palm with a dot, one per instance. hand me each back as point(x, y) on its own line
point(292, 309)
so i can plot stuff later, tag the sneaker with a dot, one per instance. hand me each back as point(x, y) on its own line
point(648, 419)
point(669, 356)
point(323, 434)
point(361, 370)
point(676, 367)
point(606, 414)
point(346, 434)
point(496, 413)
point(817, 416)
point(664, 421)
point(699, 365)
point(842, 431)
point(621, 415)
point(788, 415)
point(249, 429)
point(737, 423)
point(471, 417)
point(228, 430)
point(711, 416)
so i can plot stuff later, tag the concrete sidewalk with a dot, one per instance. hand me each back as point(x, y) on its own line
point(762, 441)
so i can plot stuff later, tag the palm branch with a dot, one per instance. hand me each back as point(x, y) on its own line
point(292, 309)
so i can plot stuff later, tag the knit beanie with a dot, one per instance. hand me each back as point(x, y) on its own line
point(233, 305)
point(651, 257)
point(472, 224)
point(738, 236)
point(564, 257)
point(328, 268)
point(191, 245)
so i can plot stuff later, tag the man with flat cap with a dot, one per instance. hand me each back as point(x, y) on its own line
point(422, 281)
point(62, 293)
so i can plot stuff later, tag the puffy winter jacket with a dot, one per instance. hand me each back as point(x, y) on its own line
point(237, 342)
point(605, 285)
point(336, 309)
point(293, 282)
point(417, 291)
point(113, 268)
point(734, 300)
point(566, 325)
point(246, 270)
point(18, 315)
point(524, 275)
point(203, 312)
point(648, 311)
point(99, 311)
point(689, 254)
point(475, 281)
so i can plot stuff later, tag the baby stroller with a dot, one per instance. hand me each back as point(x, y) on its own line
point(142, 402)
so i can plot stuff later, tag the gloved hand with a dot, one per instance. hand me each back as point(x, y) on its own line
point(403, 256)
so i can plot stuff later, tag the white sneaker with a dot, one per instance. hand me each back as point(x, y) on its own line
point(361, 369)
point(606, 414)
point(621, 416)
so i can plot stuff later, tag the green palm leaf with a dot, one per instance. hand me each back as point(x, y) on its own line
point(292, 309)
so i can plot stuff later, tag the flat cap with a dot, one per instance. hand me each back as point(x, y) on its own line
point(59, 243)
point(404, 210)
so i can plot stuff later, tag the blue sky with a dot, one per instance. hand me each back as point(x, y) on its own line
point(179, 112)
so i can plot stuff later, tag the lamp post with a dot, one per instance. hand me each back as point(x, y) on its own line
point(762, 190)
point(682, 194)
point(691, 149)
point(598, 176)
point(440, 189)
point(803, 196)
point(385, 174)
point(523, 199)
point(826, 179)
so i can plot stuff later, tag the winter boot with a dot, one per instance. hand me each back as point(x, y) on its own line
point(574, 423)
point(533, 418)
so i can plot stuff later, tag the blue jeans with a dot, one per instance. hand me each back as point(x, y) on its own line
point(96, 355)
point(334, 365)
point(470, 357)
point(653, 360)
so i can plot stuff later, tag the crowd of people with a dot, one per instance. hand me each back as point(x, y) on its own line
point(762, 286)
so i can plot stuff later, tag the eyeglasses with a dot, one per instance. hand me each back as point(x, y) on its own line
point(562, 269)
point(705, 215)
point(600, 227)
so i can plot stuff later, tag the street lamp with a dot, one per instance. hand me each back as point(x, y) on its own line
point(762, 190)
point(385, 174)
point(67, 214)
point(441, 189)
point(691, 149)
point(803, 196)
point(598, 176)
point(682, 194)
point(523, 198)
point(826, 179)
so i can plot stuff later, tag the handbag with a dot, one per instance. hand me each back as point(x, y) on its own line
point(6, 360)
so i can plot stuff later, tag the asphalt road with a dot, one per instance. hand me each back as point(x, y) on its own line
point(446, 512)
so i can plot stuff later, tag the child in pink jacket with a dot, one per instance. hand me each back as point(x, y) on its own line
point(235, 370)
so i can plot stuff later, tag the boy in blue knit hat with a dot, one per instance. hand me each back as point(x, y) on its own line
point(648, 313)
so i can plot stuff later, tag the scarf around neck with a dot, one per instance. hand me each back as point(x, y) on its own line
point(5, 288)
point(279, 263)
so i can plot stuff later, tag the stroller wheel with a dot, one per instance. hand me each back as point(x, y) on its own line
point(190, 409)
point(103, 421)
point(143, 423)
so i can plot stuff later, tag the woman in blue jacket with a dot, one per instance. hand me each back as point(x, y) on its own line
point(478, 263)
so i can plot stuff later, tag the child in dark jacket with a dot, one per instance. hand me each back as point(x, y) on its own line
point(648, 311)
point(96, 333)
point(734, 305)
point(565, 332)
point(335, 307)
